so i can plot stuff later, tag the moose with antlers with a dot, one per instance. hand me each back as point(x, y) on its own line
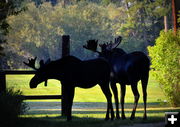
point(72, 72)
point(126, 69)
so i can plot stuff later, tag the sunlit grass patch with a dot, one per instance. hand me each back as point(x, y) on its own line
point(21, 82)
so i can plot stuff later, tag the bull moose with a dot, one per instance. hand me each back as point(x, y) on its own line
point(126, 69)
point(72, 72)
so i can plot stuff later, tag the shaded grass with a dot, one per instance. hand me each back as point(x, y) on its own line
point(86, 117)
point(94, 118)
point(78, 122)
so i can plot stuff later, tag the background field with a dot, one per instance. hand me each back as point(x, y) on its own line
point(94, 94)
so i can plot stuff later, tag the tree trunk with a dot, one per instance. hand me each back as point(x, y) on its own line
point(127, 8)
point(174, 17)
point(165, 24)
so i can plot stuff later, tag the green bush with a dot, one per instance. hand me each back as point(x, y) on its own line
point(165, 55)
point(11, 105)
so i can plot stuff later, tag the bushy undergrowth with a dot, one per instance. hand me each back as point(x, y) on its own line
point(165, 57)
point(11, 105)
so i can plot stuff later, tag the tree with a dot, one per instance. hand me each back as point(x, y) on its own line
point(166, 15)
point(165, 60)
point(175, 9)
point(143, 20)
point(7, 7)
point(38, 30)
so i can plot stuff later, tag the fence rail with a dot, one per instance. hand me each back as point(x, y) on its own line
point(22, 72)
point(15, 72)
point(33, 97)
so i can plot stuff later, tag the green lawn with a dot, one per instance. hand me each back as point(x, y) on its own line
point(156, 107)
point(81, 95)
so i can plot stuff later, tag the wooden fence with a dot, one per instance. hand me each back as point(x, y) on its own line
point(10, 72)
point(65, 52)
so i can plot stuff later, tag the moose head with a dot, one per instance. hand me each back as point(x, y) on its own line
point(106, 49)
point(38, 78)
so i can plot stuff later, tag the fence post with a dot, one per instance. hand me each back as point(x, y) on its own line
point(65, 52)
point(65, 45)
point(2, 82)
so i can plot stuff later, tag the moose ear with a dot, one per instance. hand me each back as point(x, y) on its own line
point(41, 63)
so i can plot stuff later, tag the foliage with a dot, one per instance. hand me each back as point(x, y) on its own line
point(166, 61)
point(11, 105)
point(38, 30)
point(142, 21)
point(136, 44)
point(7, 7)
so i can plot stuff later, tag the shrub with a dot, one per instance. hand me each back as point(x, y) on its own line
point(11, 105)
point(165, 56)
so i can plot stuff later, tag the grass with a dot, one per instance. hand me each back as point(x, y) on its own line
point(77, 122)
point(92, 118)
point(43, 116)
point(81, 95)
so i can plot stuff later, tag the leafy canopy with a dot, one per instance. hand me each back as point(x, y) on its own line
point(165, 56)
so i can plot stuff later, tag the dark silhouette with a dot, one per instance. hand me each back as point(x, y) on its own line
point(126, 69)
point(72, 73)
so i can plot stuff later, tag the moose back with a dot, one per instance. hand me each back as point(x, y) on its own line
point(72, 72)
point(127, 69)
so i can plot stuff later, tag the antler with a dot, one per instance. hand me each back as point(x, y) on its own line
point(31, 63)
point(112, 45)
point(91, 45)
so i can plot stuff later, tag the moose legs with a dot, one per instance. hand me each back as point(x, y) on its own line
point(108, 95)
point(144, 88)
point(115, 92)
point(123, 92)
point(136, 99)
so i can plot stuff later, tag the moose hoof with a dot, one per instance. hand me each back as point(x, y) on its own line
point(106, 119)
point(118, 117)
point(132, 118)
point(123, 117)
point(69, 118)
point(112, 118)
point(144, 117)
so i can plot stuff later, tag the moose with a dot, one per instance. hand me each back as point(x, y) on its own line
point(72, 72)
point(126, 69)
